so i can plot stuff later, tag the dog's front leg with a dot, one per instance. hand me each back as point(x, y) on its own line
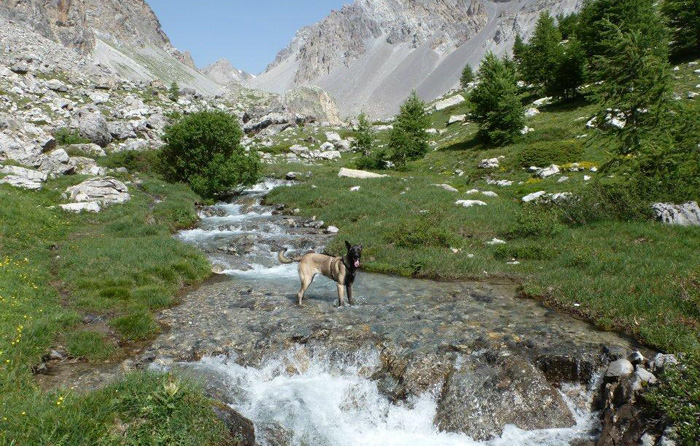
point(349, 289)
point(341, 291)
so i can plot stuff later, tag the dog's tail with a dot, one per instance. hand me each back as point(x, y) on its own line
point(283, 259)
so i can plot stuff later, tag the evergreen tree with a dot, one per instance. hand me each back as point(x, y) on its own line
point(568, 25)
point(467, 76)
point(632, 64)
point(497, 108)
point(409, 139)
point(570, 72)
point(683, 18)
point(519, 49)
point(174, 92)
point(363, 136)
point(543, 52)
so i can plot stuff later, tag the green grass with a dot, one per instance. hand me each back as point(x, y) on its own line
point(122, 264)
point(626, 276)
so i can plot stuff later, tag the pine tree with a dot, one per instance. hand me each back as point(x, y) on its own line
point(570, 72)
point(519, 49)
point(409, 139)
point(543, 52)
point(568, 25)
point(174, 92)
point(497, 107)
point(363, 136)
point(632, 65)
point(467, 76)
point(683, 18)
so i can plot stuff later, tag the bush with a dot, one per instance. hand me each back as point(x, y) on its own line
point(467, 77)
point(677, 399)
point(542, 154)
point(534, 221)
point(67, 137)
point(174, 92)
point(601, 201)
point(134, 161)
point(372, 161)
point(203, 150)
point(363, 135)
point(421, 232)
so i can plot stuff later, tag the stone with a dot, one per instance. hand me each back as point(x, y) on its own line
point(98, 97)
point(687, 214)
point(618, 369)
point(563, 180)
point(488, 193)
point(641, 379)
point(241, 428)
point(470, 203)
point(87, 149)
point(526, 130)
point(103, 190)
point(29, 174)
point(333, 137)
point(530, 112)
point(549, 171)
point(447, 187)
point(298, 149)
point(121, 130)
point(636, 358)
point(55, 163)
point(330, 155)
point(534, 196)
point(332, 230)
point(327, 146)
point(21, 182)
point(56, 85)
point(344, 145)
point(542, 101)
point(359, 174)
point(291, 176)
point(492, 163)
point(449, 102)
point(454, 119)
point(355, 189)
point(77, 208)
point(661, 361)
point(86, 166)
point(693, 95)
point(496, 241)
point(93, 126)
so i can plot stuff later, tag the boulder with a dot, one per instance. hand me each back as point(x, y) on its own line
point(344, 145)
point(548, 171)
point(333, 137)
point(530, 112)
point(23, 178)
point(121, 130)
point(470, 203)
point(492, 163)
point(618, 369)
point(687, 214)
point(241, 428)
point(98, 97)
point(326, 146)
point(487, 394)
point(93, 126)
point(447, 187)
point(55, 163)
point(298, 149)
point(56, 85)
point(359, 174)
point(103, 190)
point(330, 155)
point(534, 196)
point(661, 361)
point(449, 102)
point(456, 118)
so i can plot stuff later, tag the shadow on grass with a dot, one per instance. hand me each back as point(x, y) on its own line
point(568, 105)
point(474, 143)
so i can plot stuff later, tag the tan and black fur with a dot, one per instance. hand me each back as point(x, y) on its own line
point(342, 270)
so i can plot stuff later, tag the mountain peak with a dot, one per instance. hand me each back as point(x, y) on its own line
point(223, 72)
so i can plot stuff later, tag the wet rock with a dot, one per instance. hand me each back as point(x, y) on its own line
point(275, 435)
point(559, 369)
point(241, 428)
point(483, 397)
point(618, 369)
point(661, 361)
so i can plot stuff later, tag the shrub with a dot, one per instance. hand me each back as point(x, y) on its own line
point(363, 135)
point(677, 399)
point(420, 232)
point(408, 140)
point(67, 137)
point(372, 161)
point(497, 108)
point(203, 150)
point(599, 201)
point(523, 251)
point(543, 154)
point(174, 92)
point(134, 161)
point(534, 221)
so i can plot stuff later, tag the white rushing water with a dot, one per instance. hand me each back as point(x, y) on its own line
point(322, 403)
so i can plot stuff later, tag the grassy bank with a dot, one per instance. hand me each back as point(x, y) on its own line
point(87, 285)
point(639, 277)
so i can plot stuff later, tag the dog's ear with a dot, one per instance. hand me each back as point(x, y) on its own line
point(360, 246)
point(348, 245)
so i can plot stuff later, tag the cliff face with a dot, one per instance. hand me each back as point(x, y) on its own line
point(372, 53)
point(76, 23)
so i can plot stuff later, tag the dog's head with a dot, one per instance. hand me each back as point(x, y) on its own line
point(354, 254)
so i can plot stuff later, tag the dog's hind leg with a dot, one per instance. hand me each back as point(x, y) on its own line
point(305, 283)
point(341, 292)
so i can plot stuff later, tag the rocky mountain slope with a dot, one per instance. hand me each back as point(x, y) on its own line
point(371, 53)
point(223, 72)
point(123, 35)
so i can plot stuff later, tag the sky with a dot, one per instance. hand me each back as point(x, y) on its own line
point(249, 33)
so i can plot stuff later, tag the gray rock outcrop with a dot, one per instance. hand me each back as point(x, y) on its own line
point(687, 214)
point(93, 126)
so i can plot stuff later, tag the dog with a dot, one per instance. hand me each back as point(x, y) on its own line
point(342, 270)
